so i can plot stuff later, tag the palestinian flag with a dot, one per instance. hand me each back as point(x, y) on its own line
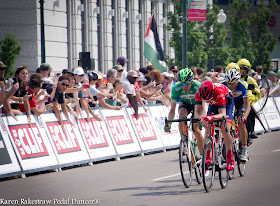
point(152, 47)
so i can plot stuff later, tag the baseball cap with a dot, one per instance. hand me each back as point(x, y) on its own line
point(173, 68)
point(67, 71)
point(78, 71)
point(121, 60)
point(142, 78)
point(167, 74)
point(118, 67)
point(132, 73)
point(45, 67)
point(2, 65)
point(272, 73)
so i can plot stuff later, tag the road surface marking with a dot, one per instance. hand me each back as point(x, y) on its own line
point(166, 177)
point(278, 150)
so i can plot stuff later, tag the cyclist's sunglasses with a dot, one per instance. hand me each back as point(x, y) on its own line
point(184, 84)
point(245, 67)
point(232, 83)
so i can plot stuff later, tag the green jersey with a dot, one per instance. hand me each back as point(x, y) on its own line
point(187, 97)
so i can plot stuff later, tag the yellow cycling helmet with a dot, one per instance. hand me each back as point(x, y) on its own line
point(244, 64)
point(232, 65)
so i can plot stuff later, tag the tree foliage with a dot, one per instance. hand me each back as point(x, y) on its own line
point(247, 35)
point(9, 49)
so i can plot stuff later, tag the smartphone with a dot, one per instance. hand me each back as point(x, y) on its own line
point(57, 74)
point(15, 80)
point(49, 100)
point(30, 98)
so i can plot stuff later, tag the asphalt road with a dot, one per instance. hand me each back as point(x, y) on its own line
point(150, 181)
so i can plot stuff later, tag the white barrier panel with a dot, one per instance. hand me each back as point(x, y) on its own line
point(145, 130)
point(159, 113)
point(271, 114)
point(69, 148)
point(8, 161)
point(97, 138)
point(258, 127)
point(31, 144)
point(121, 131)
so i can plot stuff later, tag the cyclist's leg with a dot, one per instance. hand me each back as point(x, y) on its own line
point(183, 112)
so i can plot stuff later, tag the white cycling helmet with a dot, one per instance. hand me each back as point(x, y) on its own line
point(232, 75)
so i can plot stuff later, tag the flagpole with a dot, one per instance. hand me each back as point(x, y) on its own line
point(185, 41)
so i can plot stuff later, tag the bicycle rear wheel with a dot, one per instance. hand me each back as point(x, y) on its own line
point(223, 173)
point(185, 164)
point(208, 165)
point(264, 87)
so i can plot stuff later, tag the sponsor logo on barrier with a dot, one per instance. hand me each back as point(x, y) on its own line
point(63, 143)
point(119, 130)
point(28, 141)
point(94, 133)
point(144, 127)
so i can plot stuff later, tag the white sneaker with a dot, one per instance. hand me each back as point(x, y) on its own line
point(244, 155)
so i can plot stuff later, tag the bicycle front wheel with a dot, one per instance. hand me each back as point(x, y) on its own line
point(223, 173)
point(208, 165)
point(264, 88)
point(185, 164)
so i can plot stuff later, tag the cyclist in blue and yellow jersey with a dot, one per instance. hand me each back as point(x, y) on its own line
point(254, 96)
point(185, 89)
point(241, 101)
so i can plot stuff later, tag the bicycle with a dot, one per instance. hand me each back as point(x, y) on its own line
point(214, 156)
point(235, 133)
point(188, 154)
point(264, 87)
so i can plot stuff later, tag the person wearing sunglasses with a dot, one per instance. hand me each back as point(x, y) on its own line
point(185, 90)
point(241, 102)
point(59, 99)
point(254, 96)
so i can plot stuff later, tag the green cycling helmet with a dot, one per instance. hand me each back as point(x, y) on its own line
point(186, 75)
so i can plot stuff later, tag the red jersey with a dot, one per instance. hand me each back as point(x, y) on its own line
point(221, 96)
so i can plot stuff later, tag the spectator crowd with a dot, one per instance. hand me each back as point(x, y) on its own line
point(73, 89)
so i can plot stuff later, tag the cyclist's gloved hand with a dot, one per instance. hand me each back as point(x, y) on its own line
point(167, 128)
point(209, 118)
point(244, 120)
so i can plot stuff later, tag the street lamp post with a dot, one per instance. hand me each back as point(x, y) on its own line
point(184, 42)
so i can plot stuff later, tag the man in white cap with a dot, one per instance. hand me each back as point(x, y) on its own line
point(167, 84)
point(128, 89)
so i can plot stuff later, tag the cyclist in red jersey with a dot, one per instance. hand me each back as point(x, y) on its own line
point(221, 103)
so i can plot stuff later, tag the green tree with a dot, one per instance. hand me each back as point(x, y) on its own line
point(263, 41)
point(9, 49)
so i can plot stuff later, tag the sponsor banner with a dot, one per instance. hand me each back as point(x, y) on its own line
point(96, 137)
point(30, 143)
point(121, 132)
point(8, 160)
point(271, 114)
point(158, 114)
point(145, 130)
point(197, 10)
point(69, 147)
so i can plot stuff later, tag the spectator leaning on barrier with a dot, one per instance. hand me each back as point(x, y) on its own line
point(59, 99)
point(219, 69)
point(167, 82)
point(46, 72)
point(21, 76)
point(128, 89)
point(200, 73)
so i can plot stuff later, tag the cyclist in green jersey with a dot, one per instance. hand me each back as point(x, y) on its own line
point(185, 89)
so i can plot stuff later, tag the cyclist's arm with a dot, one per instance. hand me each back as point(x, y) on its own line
point(172, 111)
point(222, 112)
point(247, 107)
